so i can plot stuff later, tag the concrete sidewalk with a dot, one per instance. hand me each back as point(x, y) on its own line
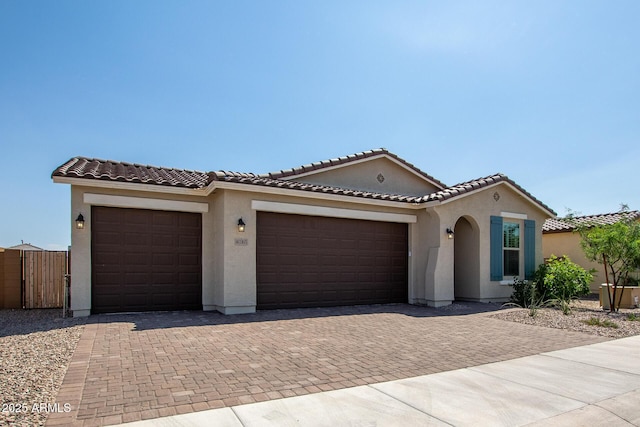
point(594, 385)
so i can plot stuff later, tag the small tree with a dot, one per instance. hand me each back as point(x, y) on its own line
point(617, 247)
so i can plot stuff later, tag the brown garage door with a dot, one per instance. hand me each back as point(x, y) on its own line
point(145, 260)
point(308, 261)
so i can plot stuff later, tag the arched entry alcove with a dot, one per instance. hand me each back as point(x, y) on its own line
point(466, 275)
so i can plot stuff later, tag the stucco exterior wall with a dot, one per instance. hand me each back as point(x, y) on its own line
point(80, 251)
point(365, 176)
point(229, 256)
point(477, 208)
point(568, 244)
point(240, 261)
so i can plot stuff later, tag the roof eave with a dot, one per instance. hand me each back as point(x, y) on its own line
point(134, 186)
point(455, 198)
point(254, 188)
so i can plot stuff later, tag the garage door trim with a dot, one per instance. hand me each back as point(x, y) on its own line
point(315, 261)
point(298, 209)
point(144, 203)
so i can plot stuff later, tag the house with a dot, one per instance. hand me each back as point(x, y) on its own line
point(559, 238)
point(26, 247)
point(367, 228)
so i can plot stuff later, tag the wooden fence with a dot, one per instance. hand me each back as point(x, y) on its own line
point(32, 279)
point(43, 278)
point(10, 279)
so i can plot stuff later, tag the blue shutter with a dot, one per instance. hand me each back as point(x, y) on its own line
point(529, 248)
point(496, 248)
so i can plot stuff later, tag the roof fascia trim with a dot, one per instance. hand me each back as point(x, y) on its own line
point(252, 188)
point(488, 187)
point(84, 182)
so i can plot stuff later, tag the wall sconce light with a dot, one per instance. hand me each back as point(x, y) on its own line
point(80, 222)
point(241, 225)
point(449, 233)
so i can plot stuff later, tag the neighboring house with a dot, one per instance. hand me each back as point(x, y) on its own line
point(560, 239)
point(26, 247)
point(362, 229)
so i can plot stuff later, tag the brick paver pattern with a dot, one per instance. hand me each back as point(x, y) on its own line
point(141, 366)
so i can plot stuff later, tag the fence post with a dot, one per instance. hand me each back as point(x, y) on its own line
point(65, 300)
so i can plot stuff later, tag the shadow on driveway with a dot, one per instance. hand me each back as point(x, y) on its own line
point(171, 319)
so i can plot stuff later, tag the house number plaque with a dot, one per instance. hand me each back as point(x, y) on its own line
point(242, 242)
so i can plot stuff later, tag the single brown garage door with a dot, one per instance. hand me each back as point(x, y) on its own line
point(145, 260)
point(309, 261)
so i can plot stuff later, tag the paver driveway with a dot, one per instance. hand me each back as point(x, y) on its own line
point(139, 366)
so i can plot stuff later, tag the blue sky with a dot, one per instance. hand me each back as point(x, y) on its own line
point(547, 92)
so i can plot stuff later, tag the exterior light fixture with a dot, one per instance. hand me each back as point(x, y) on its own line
point(80, 222)
point(449, 233)
point(241, 225)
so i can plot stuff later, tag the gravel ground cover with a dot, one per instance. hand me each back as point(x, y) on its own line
point(35, 349)
point(586, 316)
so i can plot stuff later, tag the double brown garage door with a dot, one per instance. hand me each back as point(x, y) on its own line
point(145, 260)
point(309, 261)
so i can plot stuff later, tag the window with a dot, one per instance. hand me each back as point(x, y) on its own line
point(511, 249)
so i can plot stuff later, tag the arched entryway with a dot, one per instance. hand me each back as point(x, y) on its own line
point(466, 276)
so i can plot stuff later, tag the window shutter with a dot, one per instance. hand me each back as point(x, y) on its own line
point(496, 247)
point(529, 248)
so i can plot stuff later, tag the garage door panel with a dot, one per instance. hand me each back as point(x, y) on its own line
point(134, 259)
point(188, 277)
point(145, 260)
point(160, 278)
point(329, 261)
point(162, 259)
point(188, 259)
point(134, 278)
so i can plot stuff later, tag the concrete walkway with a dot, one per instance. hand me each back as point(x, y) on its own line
point(594, 385)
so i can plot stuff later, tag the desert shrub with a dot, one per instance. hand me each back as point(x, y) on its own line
point(606, 323)
point(526, 296)
point(523, 292)
point(633, 317)
point(561, 279)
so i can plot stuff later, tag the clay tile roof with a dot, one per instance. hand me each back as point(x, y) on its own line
point(476, 184)
point(264, 181)
point(107, 170)
point(560, 225)
point(348, 159)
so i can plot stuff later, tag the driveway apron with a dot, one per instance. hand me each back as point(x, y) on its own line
point(141, 366)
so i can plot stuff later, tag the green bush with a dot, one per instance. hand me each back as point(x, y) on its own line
point(523, 292)
point(561, 279)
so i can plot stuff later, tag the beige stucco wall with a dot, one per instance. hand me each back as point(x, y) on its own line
point(364, 176)
point(80, 252)
point(228, 265)
point(568, 244)
point(477, 208)
point(240, 261)
point(229, 256)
